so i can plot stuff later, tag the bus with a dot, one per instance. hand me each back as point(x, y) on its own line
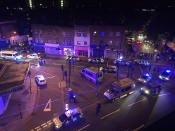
point(93, 74)
point(120, 89)
point(11, 55)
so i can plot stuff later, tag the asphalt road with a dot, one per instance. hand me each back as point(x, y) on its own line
point(133, 112)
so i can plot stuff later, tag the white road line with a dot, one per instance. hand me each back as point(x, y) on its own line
point(38, 128)
point(136, 102)
point(84, 127)
point(43, 124)
point(109, 114)
point(162, 94)
point(138, 128)
point(51, 77)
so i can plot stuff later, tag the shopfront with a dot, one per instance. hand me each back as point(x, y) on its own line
point(82, 51)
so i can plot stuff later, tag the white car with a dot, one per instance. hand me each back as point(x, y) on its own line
point(40, 80)
point(33, 56)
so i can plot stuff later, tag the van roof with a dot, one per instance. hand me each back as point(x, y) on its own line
point(123, 83)
point(93, 69)
point(9, 52)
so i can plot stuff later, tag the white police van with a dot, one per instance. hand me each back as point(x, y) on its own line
point(93, 74)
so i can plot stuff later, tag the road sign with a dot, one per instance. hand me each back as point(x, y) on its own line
point(48, 106)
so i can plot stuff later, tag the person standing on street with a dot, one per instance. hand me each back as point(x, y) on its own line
point(98, 107)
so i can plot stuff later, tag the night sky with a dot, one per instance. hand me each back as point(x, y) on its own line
point(156, 16)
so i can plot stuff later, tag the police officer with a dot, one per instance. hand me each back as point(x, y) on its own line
point(98, 107)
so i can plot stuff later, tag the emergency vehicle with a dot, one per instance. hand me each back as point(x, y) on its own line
point(68, 117)
point(92, 74)
point(120, 89)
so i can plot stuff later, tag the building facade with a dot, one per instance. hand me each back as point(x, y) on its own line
point(82, 41)
point(57, 40)
point(106, 41)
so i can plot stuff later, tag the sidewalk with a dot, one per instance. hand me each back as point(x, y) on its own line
point(19, 110)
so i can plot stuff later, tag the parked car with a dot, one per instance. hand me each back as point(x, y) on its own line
point(151, 89)
point(165, 75)
point(146, 77)
point(73, 58)
point(96, 60)
point(109, 69)
point(40, 80)
point(33, 56)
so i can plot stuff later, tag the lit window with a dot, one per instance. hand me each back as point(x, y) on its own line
point(117, 33)
point(110, 42)
point(70, 42)
point(78, 43)
point(102, 34)
point(69, 34)
point(94, 33)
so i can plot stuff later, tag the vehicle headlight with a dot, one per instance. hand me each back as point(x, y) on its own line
point(144, 81)
point(160, 76)
point(166, 78)
point(57, 126)
point(146, 91)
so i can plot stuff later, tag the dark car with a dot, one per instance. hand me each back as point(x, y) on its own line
point(110, 69)
point(151, 89)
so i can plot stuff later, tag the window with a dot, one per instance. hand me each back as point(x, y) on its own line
point(111, 34)
point(79, 34)
point(117, 43)
point(64, 34)
point(78, 42)
point(85, 42)
point(117, 33)
point(84, 34)
point(69, 34)
point(94, 33)
point(110, 42)
point(128, 88)
point(70, 42)
point(102, 34)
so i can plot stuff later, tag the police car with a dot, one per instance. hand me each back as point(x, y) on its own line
point(40, 80)
point(33, 56)
point(145, 78)
point(165, 75)
point(96, 60)
point(68, 117)
point(73, 58)
point(151, 89)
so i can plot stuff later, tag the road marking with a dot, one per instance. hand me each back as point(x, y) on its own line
point(44, 125)
point(51, 77)
point(84, 127)
point(38, 128)
point(162, 94)
point(91, 86)
point(109, 114)
point(48, 106)
point(136, 102)
point(49, 122)
point(138, 128)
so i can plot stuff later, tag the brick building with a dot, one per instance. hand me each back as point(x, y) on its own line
point(89, 41)
point(106, 41)
point(57, 40)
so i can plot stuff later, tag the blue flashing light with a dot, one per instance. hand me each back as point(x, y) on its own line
point(168, 71)
point(147, 74)
point(74, 96)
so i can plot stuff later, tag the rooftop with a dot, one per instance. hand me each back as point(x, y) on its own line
point(124, 82)
point(13, 76)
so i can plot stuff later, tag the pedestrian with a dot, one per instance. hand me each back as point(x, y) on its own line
point(70, 96)
point(44, 61)
point(74, 98)
point(62, 68)
point(98, 107)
